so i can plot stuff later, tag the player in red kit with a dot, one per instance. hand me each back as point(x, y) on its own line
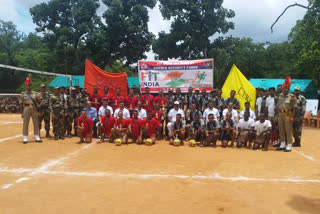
point(134, 128)
point(147, 100)
point(105, 125)
point(106, 95)
point(117, 99)
point(131, 102)
point(160, 99)
point(95, 98)
point(158, 115)
point(150, 127)
point(84, 127)
point(119, 129)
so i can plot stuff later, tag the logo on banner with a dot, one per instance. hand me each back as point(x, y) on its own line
point(144, 66)
point(150, 79)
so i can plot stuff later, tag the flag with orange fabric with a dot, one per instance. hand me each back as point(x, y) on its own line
point(94, 76)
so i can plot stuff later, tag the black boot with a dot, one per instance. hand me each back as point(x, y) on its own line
point(61, 137)
point(48, 135)
point(56, 137)
point(296, 143)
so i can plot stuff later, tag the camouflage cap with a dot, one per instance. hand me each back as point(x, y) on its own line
point(42, 86)
point(297, 88)
point(84, 89)
point(73, 88)
point(57, 87)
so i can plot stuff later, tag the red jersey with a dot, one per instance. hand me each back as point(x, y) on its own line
point(121, 124)
point(107, 97)
point(161, 100)
point(87, 124)
point(151, 126)
point(108, 124)
point(116, 102)
point(157, 115)
point(96, 101)
point(147, 102)
point(131, 102)
point(136, 126)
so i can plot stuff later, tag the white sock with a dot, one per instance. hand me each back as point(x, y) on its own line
point(289, 146)
point(283, 145)
point(25, 138)
point(37, 137)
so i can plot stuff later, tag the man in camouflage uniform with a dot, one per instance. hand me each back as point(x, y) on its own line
point(286, 107)
point(3, 103)
point(28, 108)
point(72, 111)
point(57, 108)
point(44, 111)
point(298, 119)
point(83, 99)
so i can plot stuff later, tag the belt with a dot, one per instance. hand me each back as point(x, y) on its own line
point(28, 105)
point(284, 110)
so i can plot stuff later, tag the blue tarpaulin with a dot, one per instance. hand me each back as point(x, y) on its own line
point(306, 85)
point(79, 80)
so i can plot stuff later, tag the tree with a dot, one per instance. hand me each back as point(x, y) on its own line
point(65, 23)
point(194, 22)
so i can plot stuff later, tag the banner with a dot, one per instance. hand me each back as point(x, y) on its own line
point(245, 92)
point(95, 76)
point(176, 74)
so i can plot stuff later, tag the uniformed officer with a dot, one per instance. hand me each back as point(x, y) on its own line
point(57, 108)
point(72, 109)
point(44, 111)
point(28, 108)
point(286, 113)
point(83, 99)
point(298, 117)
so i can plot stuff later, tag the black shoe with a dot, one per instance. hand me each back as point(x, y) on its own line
point(296, 145)
point(68, 136)
point(56, 137)
point(280, 149)
point(25, 142)
point(61, 137)
point(276, 145)
point(48, 135)
point(39, 141)
point(287, 150)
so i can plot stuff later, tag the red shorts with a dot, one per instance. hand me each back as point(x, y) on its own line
point(86, 134)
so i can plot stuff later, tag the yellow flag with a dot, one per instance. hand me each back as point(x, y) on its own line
point(245, 92)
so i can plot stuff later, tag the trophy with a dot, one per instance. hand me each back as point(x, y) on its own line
point(130, 107)
point(188, 114)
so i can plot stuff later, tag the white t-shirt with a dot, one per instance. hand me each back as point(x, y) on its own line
point(233, 112)
point(173, 112)
point(142, 114)
point(271, 106)
point(213, 111)
point(261, 127)
point(252, 114)
point(102, 111)
point(258, 104)
point(246, 124)
point(126, 113)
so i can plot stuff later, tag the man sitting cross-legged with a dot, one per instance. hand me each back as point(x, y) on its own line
point(150, 128)
point(211, 131)
point(228, 129)
point(84, 127)
point(245, 130)
point(178, 129)
point(119, 129)
point(263, 130)
point(196, 129)
point(105, 125)
point(134, 129)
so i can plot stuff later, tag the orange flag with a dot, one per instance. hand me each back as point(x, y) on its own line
point(95, 76)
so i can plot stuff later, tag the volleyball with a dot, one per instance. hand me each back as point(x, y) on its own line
point(149, 142)
point(176, 142)
point(118, 142)
point(192, 143)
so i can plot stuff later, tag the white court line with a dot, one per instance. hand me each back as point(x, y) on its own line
point(6, 123)
point(304, 155)
point(19, 135)
point(44, 167)
point(215, 176)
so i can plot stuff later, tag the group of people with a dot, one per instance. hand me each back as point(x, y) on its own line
point(176, 117)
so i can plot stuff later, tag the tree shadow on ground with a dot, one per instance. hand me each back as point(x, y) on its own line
point(305, 205)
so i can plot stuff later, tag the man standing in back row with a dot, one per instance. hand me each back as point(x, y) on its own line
point(298, 119)
point(44, 112)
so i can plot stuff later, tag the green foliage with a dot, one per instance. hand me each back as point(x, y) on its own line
point(194, 22)
point(118, 67)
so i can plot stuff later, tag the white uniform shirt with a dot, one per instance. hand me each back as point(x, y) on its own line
point(173, 112)
point(261, 127)
point(252, 114)
point(258, 104)
point(271, 106)
point(234, 113)
point(142, 114)
point(126, 113)
point(213, 111)
point(102, 111)
point(246, 124)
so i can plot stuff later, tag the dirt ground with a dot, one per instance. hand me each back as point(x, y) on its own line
point(66, 177)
